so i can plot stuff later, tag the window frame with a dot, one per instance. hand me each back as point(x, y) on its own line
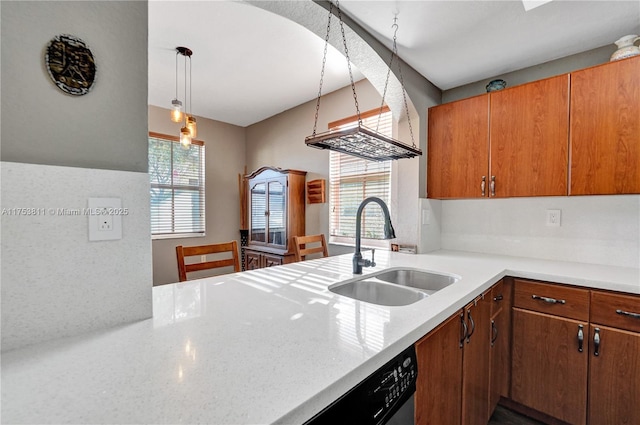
point(350, 240)
point(201, 188)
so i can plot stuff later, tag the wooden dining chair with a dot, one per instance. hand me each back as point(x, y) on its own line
point(302, 248)
point(190, 251)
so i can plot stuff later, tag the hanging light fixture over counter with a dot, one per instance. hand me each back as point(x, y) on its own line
point(359, 140)
point(189, 130)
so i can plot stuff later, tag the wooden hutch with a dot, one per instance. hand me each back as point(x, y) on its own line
point(276, 210)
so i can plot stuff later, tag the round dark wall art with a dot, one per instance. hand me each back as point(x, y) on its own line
point(70, 64)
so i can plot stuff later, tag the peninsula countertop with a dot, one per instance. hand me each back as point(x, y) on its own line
point(266, 346)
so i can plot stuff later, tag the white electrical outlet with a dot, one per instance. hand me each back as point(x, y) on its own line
point(554, 217)
point(105, 223)
point(105, 218)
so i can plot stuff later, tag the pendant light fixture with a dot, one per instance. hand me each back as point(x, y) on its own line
point(361, 141)
point(189, 129)
point(176, 105)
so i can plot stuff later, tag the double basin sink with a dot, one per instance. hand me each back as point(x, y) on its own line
point(394, 287)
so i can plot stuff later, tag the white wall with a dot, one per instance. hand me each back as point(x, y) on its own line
point(57, 151)
point(55, 282)
point(224, 160)
point(594, 229)
point(279, 141)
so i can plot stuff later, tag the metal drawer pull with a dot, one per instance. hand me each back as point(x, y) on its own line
point(464, 330)
point(494, 331)
point(580, 338)
point(492, 185)
point(596, 342)
point(473, 325)
point(498, 298)
point(548, 300)
point(628, 313)
point(483, 185)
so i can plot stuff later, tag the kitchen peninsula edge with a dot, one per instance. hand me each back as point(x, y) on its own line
point(264, 346)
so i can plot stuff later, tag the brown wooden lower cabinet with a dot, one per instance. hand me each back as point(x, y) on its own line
point(475, 362)
point(454, 368)
point(548, 370)
point(614, 377)
point(439, 388)
point(256, 259)
point(560, 354)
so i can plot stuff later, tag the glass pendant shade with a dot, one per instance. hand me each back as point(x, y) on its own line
point(176, 110)
point(192, 126)
point(185, 137)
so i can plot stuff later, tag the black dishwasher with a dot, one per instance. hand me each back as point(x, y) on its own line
point(385, 397)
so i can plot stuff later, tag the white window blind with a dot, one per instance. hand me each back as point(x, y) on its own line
point(177, 187)
point(353, 179)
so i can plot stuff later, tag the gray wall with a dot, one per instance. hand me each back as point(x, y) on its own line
point(105, 128)
point(225, 159)
point(533, 73)
point(57, 151)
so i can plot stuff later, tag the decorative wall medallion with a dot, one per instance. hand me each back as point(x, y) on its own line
point(70, 64)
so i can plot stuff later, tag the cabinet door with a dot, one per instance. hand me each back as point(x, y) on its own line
point(549, 372)
point(529, 138)
point(277, 212)
point(258, 217)
point(605, 129)
point(614, 377)
point(475, 364)
point(253, 260)
point(272, 260)
point(438, 389)
point(458, 148)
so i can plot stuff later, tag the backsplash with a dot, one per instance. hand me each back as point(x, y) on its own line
point(594, 229)
point(55, 283)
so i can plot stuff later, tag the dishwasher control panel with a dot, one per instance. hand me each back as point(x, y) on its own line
point(374, 400)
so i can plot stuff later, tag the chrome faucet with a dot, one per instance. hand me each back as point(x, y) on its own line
point(389, 233)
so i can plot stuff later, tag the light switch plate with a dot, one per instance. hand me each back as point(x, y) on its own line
point(105, 219)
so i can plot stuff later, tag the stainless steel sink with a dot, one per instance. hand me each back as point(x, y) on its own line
point(426, 281)
point(376, 292)
point(394, 287)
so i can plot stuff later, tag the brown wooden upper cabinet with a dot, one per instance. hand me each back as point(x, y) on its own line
point(458, 148)
point(503, 144)
point(605, 129)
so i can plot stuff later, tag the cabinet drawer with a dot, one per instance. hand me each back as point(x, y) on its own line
point(548, 298)
point(616, 310)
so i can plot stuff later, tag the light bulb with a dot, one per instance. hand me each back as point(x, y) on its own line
point(192, 126)
point(185, 137)
point(176, 110)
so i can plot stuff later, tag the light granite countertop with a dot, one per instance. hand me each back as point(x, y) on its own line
point(265, 346)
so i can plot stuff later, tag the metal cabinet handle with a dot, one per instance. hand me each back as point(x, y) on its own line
point(596, 342)
point(464, 330)
point(492, 186)
point(580, 338)
point(548, 300)
point(498, 298)
point(628, 313)
point(473, 325)
point(494, 333)
point(483, 185)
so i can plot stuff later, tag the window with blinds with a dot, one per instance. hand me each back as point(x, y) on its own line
point(353, 179)
point(177, 187)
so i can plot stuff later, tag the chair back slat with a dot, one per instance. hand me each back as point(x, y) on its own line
point(189, 251)
point(301, 248)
